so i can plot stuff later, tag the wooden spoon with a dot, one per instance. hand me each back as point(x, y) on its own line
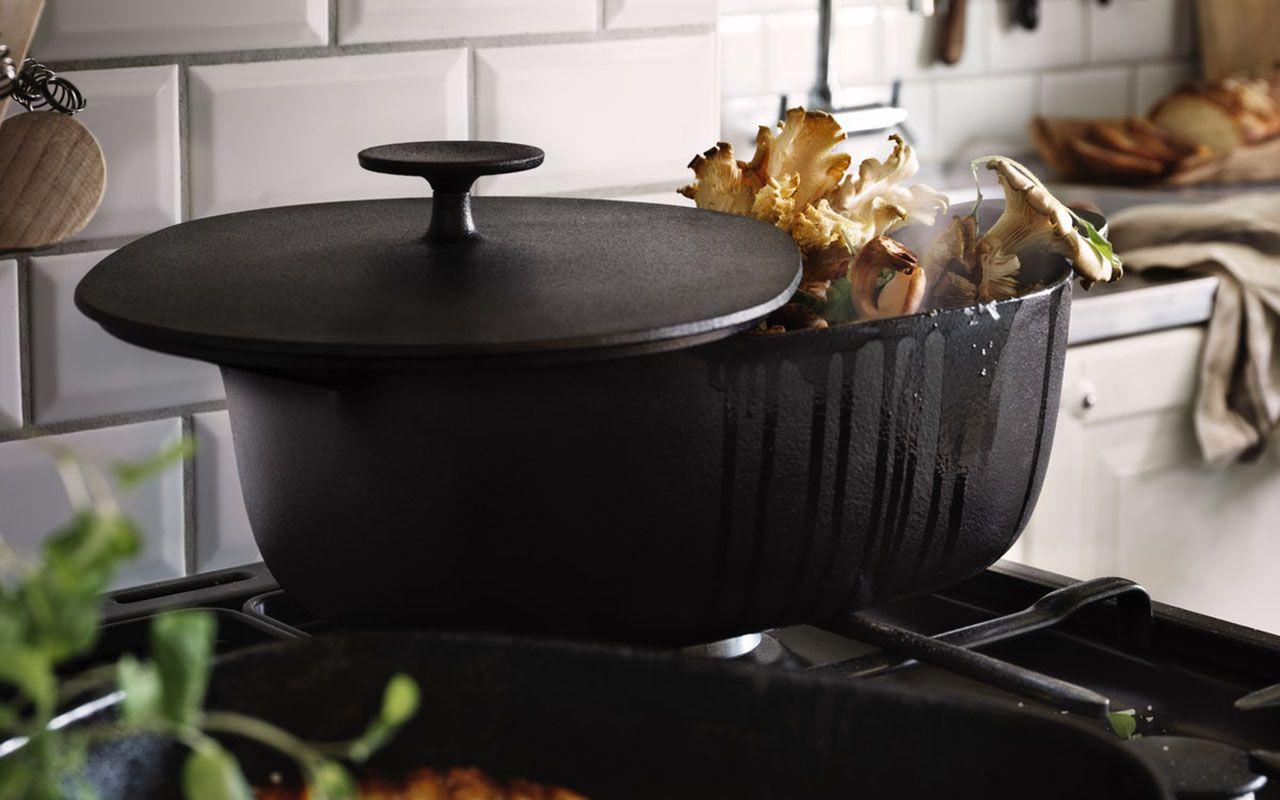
point(52, 176)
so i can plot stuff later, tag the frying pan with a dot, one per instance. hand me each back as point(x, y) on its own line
point(618, 724)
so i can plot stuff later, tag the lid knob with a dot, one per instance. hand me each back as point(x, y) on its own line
point(450, 167)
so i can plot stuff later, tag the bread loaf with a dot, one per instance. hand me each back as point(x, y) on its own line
point(1237, 111)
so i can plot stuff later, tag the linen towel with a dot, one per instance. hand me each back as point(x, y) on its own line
point(1237, 404)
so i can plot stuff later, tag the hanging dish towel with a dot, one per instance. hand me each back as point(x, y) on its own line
point(1238, 240)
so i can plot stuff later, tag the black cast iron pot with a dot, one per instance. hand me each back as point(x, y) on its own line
point(637, 482)
point(624, 725)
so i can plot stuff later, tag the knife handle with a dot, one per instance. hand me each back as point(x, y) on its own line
point(951, 40)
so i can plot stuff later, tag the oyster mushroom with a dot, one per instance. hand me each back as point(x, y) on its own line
point(886, 280)
point(797, 181)
point(1033, 219)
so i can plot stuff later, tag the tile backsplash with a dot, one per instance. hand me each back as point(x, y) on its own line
point(1085, 58)
point(206, 108)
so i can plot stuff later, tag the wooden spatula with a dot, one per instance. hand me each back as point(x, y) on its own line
point(52, 171)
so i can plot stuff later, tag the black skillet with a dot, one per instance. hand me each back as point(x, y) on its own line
point(618, 724)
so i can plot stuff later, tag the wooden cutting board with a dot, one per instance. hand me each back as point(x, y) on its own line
point(52, 177)
point(1237, 35)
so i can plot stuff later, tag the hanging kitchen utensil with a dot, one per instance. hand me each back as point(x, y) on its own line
point(547, 425)
point(52, 171)
point(18, 20)
point(951, 34)
point(1026, 13)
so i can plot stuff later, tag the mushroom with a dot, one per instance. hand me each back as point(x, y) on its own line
point(1035, 219)
point(886, 280)
point(797, 181)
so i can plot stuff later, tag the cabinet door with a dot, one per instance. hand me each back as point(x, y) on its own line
point(1127, 494)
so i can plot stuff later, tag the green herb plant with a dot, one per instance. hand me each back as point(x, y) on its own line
point(49, 615)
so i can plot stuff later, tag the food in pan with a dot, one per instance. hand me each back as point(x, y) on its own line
point(797, 181)
point(459, 783)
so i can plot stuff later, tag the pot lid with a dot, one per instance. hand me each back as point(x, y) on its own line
point(359, 283)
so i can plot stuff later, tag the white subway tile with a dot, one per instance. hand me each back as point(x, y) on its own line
point(1154, 81)
point(671, 198)
point(856, 51)
point(614, 113)
point(35, 503)
point(10, 364)
point(1085, 92)
point(762, 6)
point(911, 41)
point(742, 44)
point(223, 536)
point(1139, 29)
point(1057, 41)
point(791, 50)
point(79, 370)
point(983, 114)
point(655, 13)
point(134, 115)
point(285, 132)
point(917, 98)
point(401, 20)
point(94, 28)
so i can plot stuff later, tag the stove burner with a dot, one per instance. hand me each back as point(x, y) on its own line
point(1201, 768)
point(1011, 634)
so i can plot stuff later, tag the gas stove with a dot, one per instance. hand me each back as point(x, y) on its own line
point(1201, 691)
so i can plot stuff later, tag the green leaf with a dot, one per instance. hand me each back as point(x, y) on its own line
point(400, 700)
point(1098, 241)
point(839, 306)
point(1123, 723)
point(143, 694)
point(210, 773)
point(328, 780)
point(808, 301)
point(30, 672)
point(132, 473)
point(399, 703)
point(182, 649)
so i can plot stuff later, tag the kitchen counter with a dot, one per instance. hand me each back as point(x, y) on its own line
point(1137, 304)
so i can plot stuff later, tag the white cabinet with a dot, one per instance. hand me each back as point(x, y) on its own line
point(1127, 494)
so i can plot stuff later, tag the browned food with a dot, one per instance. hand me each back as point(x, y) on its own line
point(1156, 142)
point(886, 280)
point(1132, 150)
point(459, 783)
point(1239, 110)
point(1122, 139)
point(1115, 165)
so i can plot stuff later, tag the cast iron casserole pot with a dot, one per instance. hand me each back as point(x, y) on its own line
point(548, 426)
